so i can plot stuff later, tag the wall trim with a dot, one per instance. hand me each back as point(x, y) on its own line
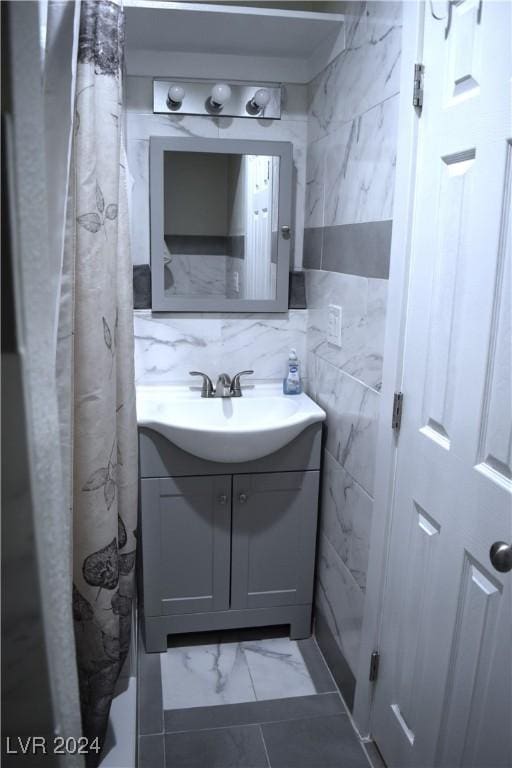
point(362, 248)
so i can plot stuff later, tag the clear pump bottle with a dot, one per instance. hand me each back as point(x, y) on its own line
point(292, 384)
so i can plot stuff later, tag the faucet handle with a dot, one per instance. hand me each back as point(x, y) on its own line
point(207, 389)
point(236, 390)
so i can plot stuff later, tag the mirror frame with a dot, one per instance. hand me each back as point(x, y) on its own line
point(282, 149)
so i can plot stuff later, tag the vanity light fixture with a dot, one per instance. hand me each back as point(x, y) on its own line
point(259, 101)
point(175, 96)
point(212, 98)
point(221, 92)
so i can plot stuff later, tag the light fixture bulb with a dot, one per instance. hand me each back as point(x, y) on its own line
point(176, 95)
point(261, 98)
point(221, 92)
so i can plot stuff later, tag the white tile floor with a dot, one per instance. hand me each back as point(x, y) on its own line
point(231, 673)
point(277, 669)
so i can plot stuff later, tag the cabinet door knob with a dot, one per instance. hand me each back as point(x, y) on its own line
point(242, 498)
point(223, 499)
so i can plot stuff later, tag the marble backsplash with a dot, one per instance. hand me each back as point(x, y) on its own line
point(167, 347)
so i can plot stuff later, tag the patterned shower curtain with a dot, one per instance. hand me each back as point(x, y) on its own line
point(95, 365)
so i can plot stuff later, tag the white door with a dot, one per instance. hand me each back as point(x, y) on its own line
point(443, 697)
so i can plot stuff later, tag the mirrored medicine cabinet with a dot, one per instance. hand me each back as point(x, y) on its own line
point(220, 224)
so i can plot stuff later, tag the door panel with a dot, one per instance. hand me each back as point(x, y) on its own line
point(478, 600)
point(447, 285)
point(464, 53)
point(494, 449)
point(443, 698)
point(274, 539)
point(423, 542)
point(186, 530)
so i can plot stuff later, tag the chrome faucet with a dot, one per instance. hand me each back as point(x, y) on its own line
point(225, 386)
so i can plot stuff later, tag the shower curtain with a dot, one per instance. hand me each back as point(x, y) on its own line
point(95, 369)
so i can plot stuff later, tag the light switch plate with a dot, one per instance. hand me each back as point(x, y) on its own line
point(334, 325)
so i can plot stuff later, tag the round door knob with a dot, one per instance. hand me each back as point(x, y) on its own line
point(242, 498)
point(501, 556)
point(286, 232)
point(223, 499)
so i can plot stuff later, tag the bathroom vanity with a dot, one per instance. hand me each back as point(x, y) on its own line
point(226, 544)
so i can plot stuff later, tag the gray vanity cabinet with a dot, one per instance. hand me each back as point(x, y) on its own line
point(274, 535)
point(225, 550)
point(187, 539)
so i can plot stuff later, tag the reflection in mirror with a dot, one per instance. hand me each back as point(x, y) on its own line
point(220, 225)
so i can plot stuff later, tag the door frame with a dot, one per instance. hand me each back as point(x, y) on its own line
point(409, 125)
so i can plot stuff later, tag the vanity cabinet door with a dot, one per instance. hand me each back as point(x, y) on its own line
point(186, 532)
point(274, 539)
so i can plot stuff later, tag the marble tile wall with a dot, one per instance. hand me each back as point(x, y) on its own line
point(352, 133)
point(365, 74)
point(168, 346)
point(363, 302)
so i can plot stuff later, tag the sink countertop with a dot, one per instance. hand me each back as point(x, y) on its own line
point(237, 429)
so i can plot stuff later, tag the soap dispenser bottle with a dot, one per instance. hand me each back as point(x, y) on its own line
point(292, 384)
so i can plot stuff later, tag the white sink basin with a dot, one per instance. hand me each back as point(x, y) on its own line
point(226, 429)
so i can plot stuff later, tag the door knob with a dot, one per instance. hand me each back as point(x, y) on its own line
point(501, 556)
point(223, 499)
point(242, 498)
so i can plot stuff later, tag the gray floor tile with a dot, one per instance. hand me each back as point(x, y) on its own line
point(317, 668)
point(151, 751)
point(322, 742)
point(273, 710)
point(240, 747)
point(150, 707)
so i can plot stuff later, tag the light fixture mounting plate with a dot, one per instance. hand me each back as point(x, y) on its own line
point(196, 100)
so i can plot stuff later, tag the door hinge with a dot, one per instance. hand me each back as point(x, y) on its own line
point(396, 420)
point(417, 93)
point(374, 666)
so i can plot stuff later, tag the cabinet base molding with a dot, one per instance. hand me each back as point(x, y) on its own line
point(156, 628)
